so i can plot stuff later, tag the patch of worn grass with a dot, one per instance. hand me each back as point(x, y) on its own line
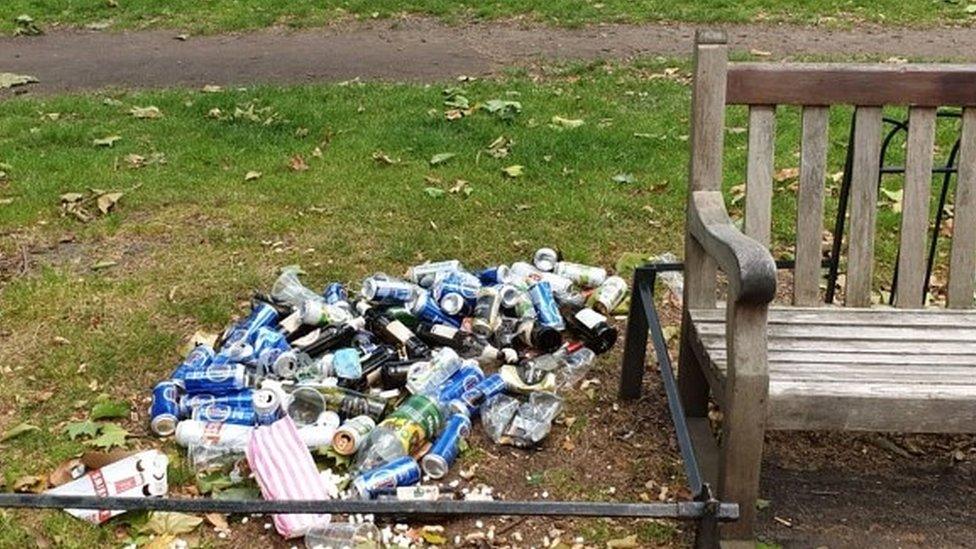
point(228, 15)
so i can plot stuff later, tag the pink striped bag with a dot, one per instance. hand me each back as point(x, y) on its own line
point(285, 470)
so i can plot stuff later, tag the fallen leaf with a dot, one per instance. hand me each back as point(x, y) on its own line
point(786, 174)
point(181, 37)
point(79, 428)
point(66, 472)
point(26, 26)
point(164, 523)
point(109, 409)
point(10, 80)
point(623, 543)
point(382, 158)
point(762, 504)
point(760, 53)
point(895, 198)
point(247, 493)
point(971, 8)
point(560, 123)
point(434, 192)
point(107, 201)
point(252, 175)
point(104, 264)
point(110, 435)
point(218, 521)
point(30, 483)
point(432, 538)
point(502, 108)
point(6, 201)
point(513, 171)
point(500, 147)
point(19, 430)
point(441, 158)
point(297, 163)
point(107, 141)
point(627, 178)
point(146, 113)
point(96, 460)
point(167, 541)
point(460, 186)
point(212, 88)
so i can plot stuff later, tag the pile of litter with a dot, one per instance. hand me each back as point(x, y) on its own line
point(387, 381)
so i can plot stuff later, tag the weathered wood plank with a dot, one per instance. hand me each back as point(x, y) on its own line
point(810, 206)
point(844, 358)
point(806, 406)
point(875, 316)
point(962, 262)
point(832, 334)
point(851, 84)
point(858, 346)
point(759, 172)
point(864, 199)
point(915, 208)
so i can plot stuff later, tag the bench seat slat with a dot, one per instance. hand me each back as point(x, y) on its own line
point(859, 369)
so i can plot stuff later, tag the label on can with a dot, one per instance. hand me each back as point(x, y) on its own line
point(399, 331)
point(441, 330)
point(415, 421)
point(590, 318)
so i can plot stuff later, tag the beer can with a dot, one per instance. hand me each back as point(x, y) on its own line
point(189, 403)
point(165, 408)
point(464, 379)
point(316, 312)
point(493, 275)
point(267, 406)
point(424, 274)
point(225, 413)
point(218, 378)
point(455, 282)
point(545, 259)
point(425, 308)
point(415, 422)
point(335, 293)
point(447, 446)
point(199, 357)
point(388, 292)
point(609, 295)
point(403, 471)
point(584, 275)
point(262, 315)
point(349, 437)
point(487, 317)
point(545, 305)
point(473, 398)
point(453, 304)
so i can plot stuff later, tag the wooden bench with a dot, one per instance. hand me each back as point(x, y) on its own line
point(812, 366)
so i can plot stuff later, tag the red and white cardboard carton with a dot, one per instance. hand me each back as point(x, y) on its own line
point(137, 476)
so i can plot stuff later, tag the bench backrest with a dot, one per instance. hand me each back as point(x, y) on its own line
point(815, 87)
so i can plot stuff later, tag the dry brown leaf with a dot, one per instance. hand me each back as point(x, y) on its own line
point(786, 174)
point(97, 460)
point(297, 163)
point(66, 472)
point(107, 201)
point(218, 521)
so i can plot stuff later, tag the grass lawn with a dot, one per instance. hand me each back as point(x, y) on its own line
point(191, 237)
point(225, 15)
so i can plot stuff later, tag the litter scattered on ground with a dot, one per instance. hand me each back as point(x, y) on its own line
point(373, 395)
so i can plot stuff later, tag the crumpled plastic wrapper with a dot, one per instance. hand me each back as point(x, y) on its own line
point(521, 424)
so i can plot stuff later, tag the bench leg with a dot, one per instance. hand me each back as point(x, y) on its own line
point(744, 418)
point(692, 384)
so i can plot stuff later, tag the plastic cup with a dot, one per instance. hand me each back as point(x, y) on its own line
point(343, 535)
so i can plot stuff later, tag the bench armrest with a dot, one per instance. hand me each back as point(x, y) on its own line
point(747, 263)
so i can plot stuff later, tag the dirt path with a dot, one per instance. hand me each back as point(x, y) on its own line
point(411, 49)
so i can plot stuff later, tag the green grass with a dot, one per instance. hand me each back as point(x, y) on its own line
point(226, 15)
point(194, 238)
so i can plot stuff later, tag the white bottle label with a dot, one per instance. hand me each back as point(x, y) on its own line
point(441, 330)
point(590, 318)
point(399, 331)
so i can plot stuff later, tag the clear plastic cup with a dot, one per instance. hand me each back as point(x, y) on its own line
point(343, 535)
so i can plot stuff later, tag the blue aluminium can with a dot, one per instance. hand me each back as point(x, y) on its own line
point(335, 293)
point(189, 403)
point(456, 283)
point(225, 413)
point(388, 291)
point(493, 275)
point(403, 471)
point(262, 316)
point(545, 305)
point(470, 402)
point(165, 408)
point(447, 446)
point(425, 308)
point(463, 380)
point(219, 378)
point(200, 356)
